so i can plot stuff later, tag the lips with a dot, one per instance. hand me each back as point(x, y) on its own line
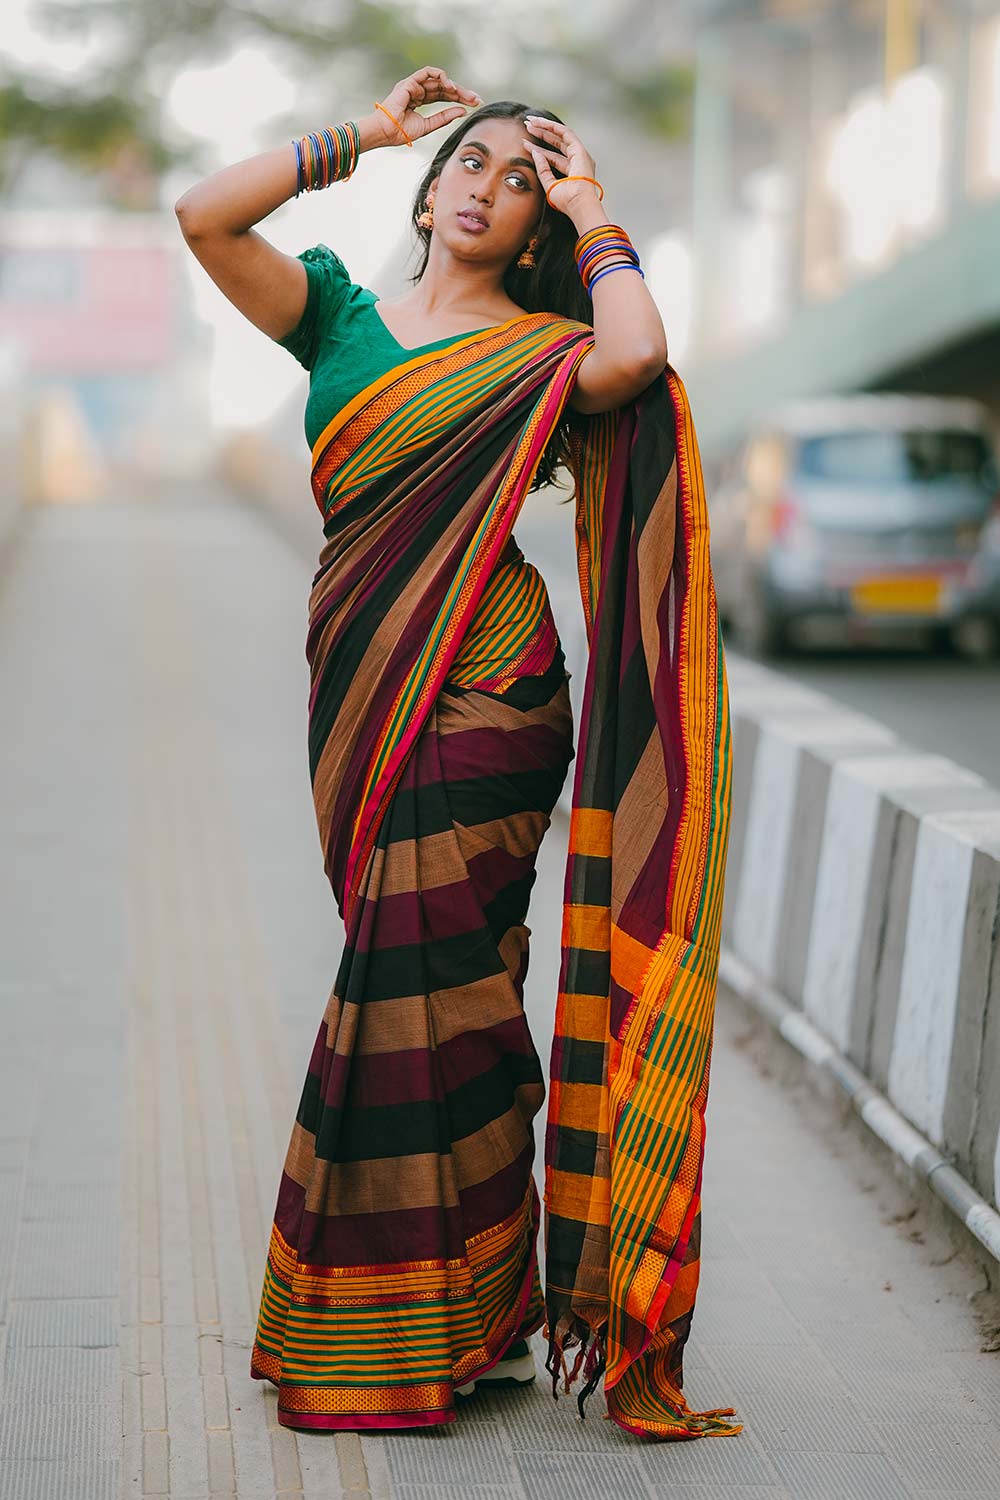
point(473, 216)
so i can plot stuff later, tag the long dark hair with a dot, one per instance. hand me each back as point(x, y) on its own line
point(552, 284)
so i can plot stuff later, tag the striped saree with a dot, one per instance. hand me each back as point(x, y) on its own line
point(402, 1259)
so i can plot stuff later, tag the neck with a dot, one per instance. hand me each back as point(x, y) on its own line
point(451, 285)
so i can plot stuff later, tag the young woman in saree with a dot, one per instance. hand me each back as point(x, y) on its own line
point(402, 1266)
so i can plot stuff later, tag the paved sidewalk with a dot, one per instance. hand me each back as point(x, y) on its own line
point(169, 941)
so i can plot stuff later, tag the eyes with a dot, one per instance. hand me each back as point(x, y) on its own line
point(478, 160)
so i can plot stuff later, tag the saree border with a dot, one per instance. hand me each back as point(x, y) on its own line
point(419, 1403)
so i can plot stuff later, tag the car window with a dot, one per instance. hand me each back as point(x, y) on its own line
point(895, 457)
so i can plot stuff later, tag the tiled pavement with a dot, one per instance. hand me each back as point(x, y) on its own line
point(168, 944)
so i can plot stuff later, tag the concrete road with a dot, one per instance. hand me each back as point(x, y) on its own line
point(936, 701)
point(168, 945)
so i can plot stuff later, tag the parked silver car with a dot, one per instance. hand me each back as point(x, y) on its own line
point(849, 516)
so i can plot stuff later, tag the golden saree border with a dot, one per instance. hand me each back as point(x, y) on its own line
point(404, 409)
point(475, 1305)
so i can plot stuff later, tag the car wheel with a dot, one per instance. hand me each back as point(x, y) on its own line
point(976, 637)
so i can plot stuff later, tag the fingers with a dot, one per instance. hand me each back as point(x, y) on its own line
point(549, 129)
point(561, 146)
point(469, 96)
point(549, 152)
point(436, 84)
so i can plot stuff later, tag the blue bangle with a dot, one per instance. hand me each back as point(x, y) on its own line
point(622, 266)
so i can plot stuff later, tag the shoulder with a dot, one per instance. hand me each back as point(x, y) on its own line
point(562, 323)
point(325, 267)
point(563, 327)
point(322, 255)
point(328, 287)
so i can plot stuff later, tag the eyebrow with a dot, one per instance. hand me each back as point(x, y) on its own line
point(515, 161)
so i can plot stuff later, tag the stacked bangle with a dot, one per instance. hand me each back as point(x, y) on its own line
point(604, 249)
point(326, 156)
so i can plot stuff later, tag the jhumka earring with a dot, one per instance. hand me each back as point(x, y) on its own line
point(426, 219)
point(526, 259)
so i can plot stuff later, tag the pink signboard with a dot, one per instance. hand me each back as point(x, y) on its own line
point(88, 309)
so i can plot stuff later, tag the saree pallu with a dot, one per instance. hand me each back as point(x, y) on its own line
point(402, 1259)
point(642, 912)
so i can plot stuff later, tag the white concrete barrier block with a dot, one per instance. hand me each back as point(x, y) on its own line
point(758, 919)
point(838, 911)
point(920, 1060)
point(758, 692)
point(765, 849)
point(857, 787)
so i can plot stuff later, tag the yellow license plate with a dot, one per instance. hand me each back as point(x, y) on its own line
point(902, 594)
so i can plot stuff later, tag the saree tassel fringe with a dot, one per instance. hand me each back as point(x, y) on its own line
point(590, 1365)
point(591, 1356)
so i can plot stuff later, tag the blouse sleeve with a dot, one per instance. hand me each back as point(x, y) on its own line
point(327, 284)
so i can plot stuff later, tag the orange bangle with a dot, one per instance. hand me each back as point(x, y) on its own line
point(394, 121)
point(574, 177)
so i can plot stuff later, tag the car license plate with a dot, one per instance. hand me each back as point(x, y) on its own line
point(899, 594)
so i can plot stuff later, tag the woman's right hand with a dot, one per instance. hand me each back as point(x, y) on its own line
point(425, 86)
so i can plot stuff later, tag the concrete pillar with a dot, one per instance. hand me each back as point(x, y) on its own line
point(711, 191)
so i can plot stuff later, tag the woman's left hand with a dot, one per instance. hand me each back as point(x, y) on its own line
point(565, 150)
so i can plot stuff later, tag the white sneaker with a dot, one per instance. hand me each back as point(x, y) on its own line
point(516, 1368)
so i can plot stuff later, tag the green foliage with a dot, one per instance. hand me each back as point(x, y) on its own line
point(145, 42)
point(110, 131)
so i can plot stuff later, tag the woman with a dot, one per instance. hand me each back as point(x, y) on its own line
point(402, 1265)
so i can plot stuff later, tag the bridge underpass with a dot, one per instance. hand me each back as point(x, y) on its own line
point(929, 322)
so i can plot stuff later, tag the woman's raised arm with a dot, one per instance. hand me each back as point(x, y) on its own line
point(217, 216)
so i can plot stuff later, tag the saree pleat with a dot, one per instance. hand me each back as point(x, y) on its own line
point(402, 1258)
point(403, 1251)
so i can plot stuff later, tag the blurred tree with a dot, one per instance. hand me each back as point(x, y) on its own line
point(109, 130)
point(107, 121)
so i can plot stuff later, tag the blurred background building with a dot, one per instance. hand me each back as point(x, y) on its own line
point(845, 212)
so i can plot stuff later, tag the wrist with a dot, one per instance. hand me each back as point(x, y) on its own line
point(376, 130)
point(587, 213)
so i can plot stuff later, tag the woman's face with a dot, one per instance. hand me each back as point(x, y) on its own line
point(491, 174)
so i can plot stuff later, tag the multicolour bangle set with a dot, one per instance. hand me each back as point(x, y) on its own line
point(326, 156)
point(603, 249)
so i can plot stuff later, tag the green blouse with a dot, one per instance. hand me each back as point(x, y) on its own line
point(341, 340)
